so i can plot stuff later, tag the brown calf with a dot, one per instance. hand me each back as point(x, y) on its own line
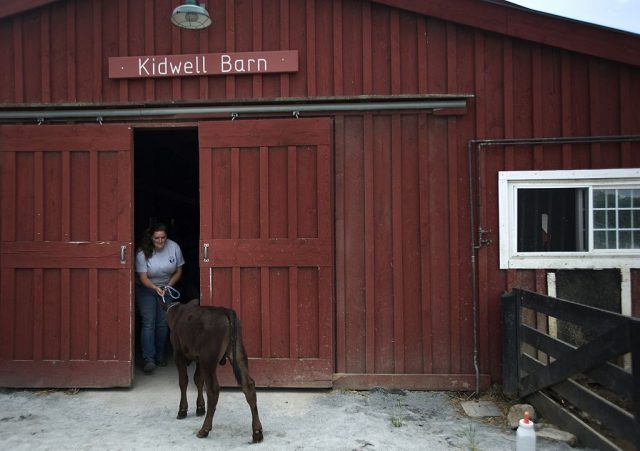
point(208, 335)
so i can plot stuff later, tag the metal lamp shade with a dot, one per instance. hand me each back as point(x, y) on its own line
point(191, 16)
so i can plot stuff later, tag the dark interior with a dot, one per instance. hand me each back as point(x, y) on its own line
point(166, 190)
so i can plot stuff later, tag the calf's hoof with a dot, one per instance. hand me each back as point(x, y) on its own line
point(257, 436)
point(202, 433)
point(182, 414)
point(200, 411)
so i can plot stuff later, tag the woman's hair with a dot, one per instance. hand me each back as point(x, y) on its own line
point(146, 244)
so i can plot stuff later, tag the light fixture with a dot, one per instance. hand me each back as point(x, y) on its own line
point(191, 15)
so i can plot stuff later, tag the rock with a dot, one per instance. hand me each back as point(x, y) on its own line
point(552, 433)
point(516, 413)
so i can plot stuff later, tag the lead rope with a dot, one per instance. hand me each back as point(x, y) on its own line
point(172, 292)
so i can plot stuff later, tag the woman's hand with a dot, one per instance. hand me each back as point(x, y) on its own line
point(159, 291)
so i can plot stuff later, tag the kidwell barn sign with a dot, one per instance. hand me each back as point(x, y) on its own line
point(204, 64)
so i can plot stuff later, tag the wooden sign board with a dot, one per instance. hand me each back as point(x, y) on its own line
point(203, 65)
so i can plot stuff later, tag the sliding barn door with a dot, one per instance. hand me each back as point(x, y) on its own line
point(65, 256)
point(266, 242)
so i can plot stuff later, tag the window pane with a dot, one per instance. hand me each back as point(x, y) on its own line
point(635, 201)
point(624, 218)
point(624, 198)
point(611, 198)
point(636, 239)
point(600, 240)
point(625, 240)
point(611, 219)
point(635, 223)
point(551, 219)
point(611, 240)
point(598, 198)
point(599, 219)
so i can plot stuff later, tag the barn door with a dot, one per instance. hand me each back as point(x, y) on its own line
point(65, 256)
point(266, 242)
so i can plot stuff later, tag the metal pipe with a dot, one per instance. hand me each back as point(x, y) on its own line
point(232, 110)
point(481, 143)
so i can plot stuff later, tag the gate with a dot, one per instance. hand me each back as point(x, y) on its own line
point(65, 256)
point(563, 381)
point(266, 246)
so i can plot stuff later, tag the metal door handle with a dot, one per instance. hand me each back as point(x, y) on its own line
point(123, 250)
point(206, 252)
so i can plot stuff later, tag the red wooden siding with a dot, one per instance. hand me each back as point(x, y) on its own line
point(266, 219)
point(402, 245)
point(65, 309)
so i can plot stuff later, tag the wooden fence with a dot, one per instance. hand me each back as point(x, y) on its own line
point(592, 388)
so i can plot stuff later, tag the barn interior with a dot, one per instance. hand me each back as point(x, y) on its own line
point(167, 190)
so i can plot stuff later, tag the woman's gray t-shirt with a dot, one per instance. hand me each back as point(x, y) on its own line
point(162, 264)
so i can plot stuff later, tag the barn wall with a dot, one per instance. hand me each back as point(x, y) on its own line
point(403, 288)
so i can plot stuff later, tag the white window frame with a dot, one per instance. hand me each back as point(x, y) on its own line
point(508, 184)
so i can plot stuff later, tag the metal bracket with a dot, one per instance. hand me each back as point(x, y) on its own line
point(234, 116)
point(482, 241)
point(296, 114)
point(99, 120)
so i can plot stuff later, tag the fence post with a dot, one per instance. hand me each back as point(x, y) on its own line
point(634, 335)
point(510, 342)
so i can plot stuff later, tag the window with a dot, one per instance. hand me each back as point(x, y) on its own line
point(570, 219)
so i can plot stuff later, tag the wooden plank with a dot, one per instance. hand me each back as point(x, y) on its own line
point(634, 337)
point(608, 345)
point(398, 274)
point(608, 375)
point(614, 418)
point(455, 382)
point(65, 374)
point(340, 245)
point(310, 21)
point(367, 49)
point(123, 46)
point(522, 24)
point(510, 307)
point(71, 53)
point(283, 373)
point(12, 7)
point(565, 420)
point(338, 43)
point(230, 41)
point(25, 138)
point(284, 43)
point(45, 58)
point(453, 208)
point(18, 61)
point(54, 254)
point(271, 133)
point(293, 313)
point(582, 315)
point(425, 244)
point(369, 243)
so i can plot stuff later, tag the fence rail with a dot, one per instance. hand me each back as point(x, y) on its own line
point(591, 387)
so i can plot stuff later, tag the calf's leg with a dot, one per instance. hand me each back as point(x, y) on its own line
point(198, 379)
point(248, 385)
point(183, 380)
point(213, 392)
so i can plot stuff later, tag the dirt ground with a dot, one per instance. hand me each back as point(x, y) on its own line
point(144, 417)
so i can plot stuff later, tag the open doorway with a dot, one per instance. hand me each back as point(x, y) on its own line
point(167, 190)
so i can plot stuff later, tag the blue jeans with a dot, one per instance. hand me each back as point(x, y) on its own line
point(154, 329)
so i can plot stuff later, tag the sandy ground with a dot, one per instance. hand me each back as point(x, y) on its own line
point(144, 417)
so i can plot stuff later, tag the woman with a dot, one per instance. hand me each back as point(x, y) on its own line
point(158, 265)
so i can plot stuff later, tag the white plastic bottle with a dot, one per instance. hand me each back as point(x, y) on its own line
point(526, 435)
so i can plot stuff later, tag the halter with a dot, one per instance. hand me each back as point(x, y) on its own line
point(172, 294)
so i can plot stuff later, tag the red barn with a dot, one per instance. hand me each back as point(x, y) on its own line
point(361, 180)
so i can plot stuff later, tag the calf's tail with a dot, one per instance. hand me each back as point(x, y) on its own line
point(233, 343)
